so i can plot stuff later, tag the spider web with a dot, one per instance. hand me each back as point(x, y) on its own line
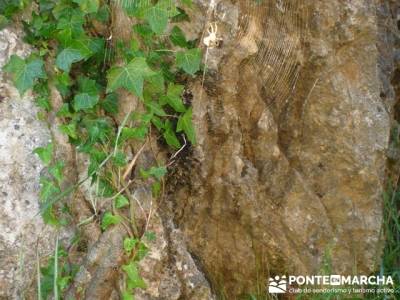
point(279, 57)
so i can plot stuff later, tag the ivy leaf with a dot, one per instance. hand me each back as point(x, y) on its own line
point(119, 159)
point(189, 60)
point(63, 81)
point(170, 137)
point(155, 108)
point(135, 8)
point(133, 133)
point(88, 86)
point(67, 57)
point(156, 83)
point(45, 153)
point(43, 102)
point(110, 103)
point(177, 37)
point(104, 188)
point(157, 172)
point(48, 189)
point(64, 111)
point(69, 129)
point(130, 77)
point(157, 122)
point(3, 22)
point(126, 295)
point(109, 219)
point(57, 171)
point(70, 27)
point(130, 244)
point(174, 97)
point(25, 72)
point(87, 46)
point(187, 2)
point(134, 280)
point(158, 15)
point(84, 101)
point(185, 124)
point(98, 129)
point(121, 201)
point(88, 6)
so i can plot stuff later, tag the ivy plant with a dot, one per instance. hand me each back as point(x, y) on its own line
point(154, 66)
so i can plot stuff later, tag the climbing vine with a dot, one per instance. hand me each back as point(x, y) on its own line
point(88, 67)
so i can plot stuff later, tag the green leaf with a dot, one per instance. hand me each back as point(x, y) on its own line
point(133, 133)
point(109, 219)
point(121, 201)
point(157, 122)
point(110, 103)
point(25, 72)
point(185, 124)
point(48, 189)
point(57, 171)
point(103, 14)
point(135, 8)
point(64, 111)
point(150, 235)
point(170, 137)
point(119, 159)
point(3, 22)
point(84, 101)
point(69, 129)
point(43, 102)
point(98, 129)
point(141, 251)
point(87, 46)
point(70, 27)
point(88, 86)
point(156, 84)
point(189, 60)
point(63, 81)
point(130, 77)
point(177, 37)
point(158, 15)
point(88, 6)
point(130, 244)
point(45, 153)
point(134, 280)
point(48, 215)
point(187, 2)
point(67, 57)
point(157, 172)
point(127, 296)
point(174, 97)
point(155, 108)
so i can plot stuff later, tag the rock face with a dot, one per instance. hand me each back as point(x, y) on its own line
point(22, 230)
point(292, 121)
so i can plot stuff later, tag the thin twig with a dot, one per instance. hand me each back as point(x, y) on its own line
point(39, 284)
point(55, 286)
point(176, 153)
point(120, 130)
point(132, 163)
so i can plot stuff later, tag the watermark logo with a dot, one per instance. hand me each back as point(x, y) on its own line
point(330, 283)
point(277, 285)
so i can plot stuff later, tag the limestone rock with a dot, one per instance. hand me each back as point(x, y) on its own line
point(22, 229)
point(292, 131)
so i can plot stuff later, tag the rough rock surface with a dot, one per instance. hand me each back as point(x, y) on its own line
point(22, 231)
point(292, 122)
